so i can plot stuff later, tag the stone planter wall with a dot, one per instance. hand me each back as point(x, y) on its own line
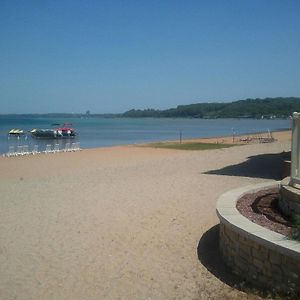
point(286, 168)
point(289, 201)
point(258, 255)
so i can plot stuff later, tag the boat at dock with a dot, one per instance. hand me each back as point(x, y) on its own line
point(66, 131)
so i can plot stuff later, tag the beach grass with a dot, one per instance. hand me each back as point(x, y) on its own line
point(190, 145)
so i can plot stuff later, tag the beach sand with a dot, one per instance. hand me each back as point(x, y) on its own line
point(122, 222)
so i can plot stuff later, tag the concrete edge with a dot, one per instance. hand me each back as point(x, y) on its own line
point(231, 217)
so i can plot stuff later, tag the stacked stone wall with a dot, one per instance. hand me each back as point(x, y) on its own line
point(256, 254)
point(258, 264)
point(289, 201)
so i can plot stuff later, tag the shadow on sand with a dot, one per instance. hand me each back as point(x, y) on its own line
point(268, 166)
point(209, 255)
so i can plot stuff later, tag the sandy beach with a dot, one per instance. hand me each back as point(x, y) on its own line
point(124, 222)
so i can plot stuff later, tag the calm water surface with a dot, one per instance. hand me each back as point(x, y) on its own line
point(102, 132)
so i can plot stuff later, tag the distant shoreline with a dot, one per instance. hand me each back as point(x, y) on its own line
point(267, 108)
point(119, 116)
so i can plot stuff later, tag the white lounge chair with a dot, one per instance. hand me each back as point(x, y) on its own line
point(48, 149)
point(11, 151)
point(20, 150)
point(67, 147)
point(56, 148)
point(76, 146)
point(25, 150)
point(35, 149)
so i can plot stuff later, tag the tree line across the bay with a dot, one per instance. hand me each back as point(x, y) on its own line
point(250, 108)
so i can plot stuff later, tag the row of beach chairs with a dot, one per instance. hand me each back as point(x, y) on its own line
point(24, 149)
point(257, 139)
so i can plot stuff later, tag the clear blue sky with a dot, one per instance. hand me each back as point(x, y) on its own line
point(111, 56)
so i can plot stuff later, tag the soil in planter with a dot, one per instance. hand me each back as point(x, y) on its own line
point(262, 208)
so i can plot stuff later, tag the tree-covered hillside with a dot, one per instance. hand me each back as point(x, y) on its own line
point(249, 108)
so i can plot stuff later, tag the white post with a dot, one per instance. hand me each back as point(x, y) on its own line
point(295, 165)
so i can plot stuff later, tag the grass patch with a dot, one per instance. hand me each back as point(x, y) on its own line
point(191, 146)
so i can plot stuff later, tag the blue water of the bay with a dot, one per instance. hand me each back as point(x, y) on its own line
point(102, 132)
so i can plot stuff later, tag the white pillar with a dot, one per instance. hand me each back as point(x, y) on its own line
point(295, 165)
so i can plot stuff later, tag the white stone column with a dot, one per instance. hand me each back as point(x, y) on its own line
point(295, 165)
